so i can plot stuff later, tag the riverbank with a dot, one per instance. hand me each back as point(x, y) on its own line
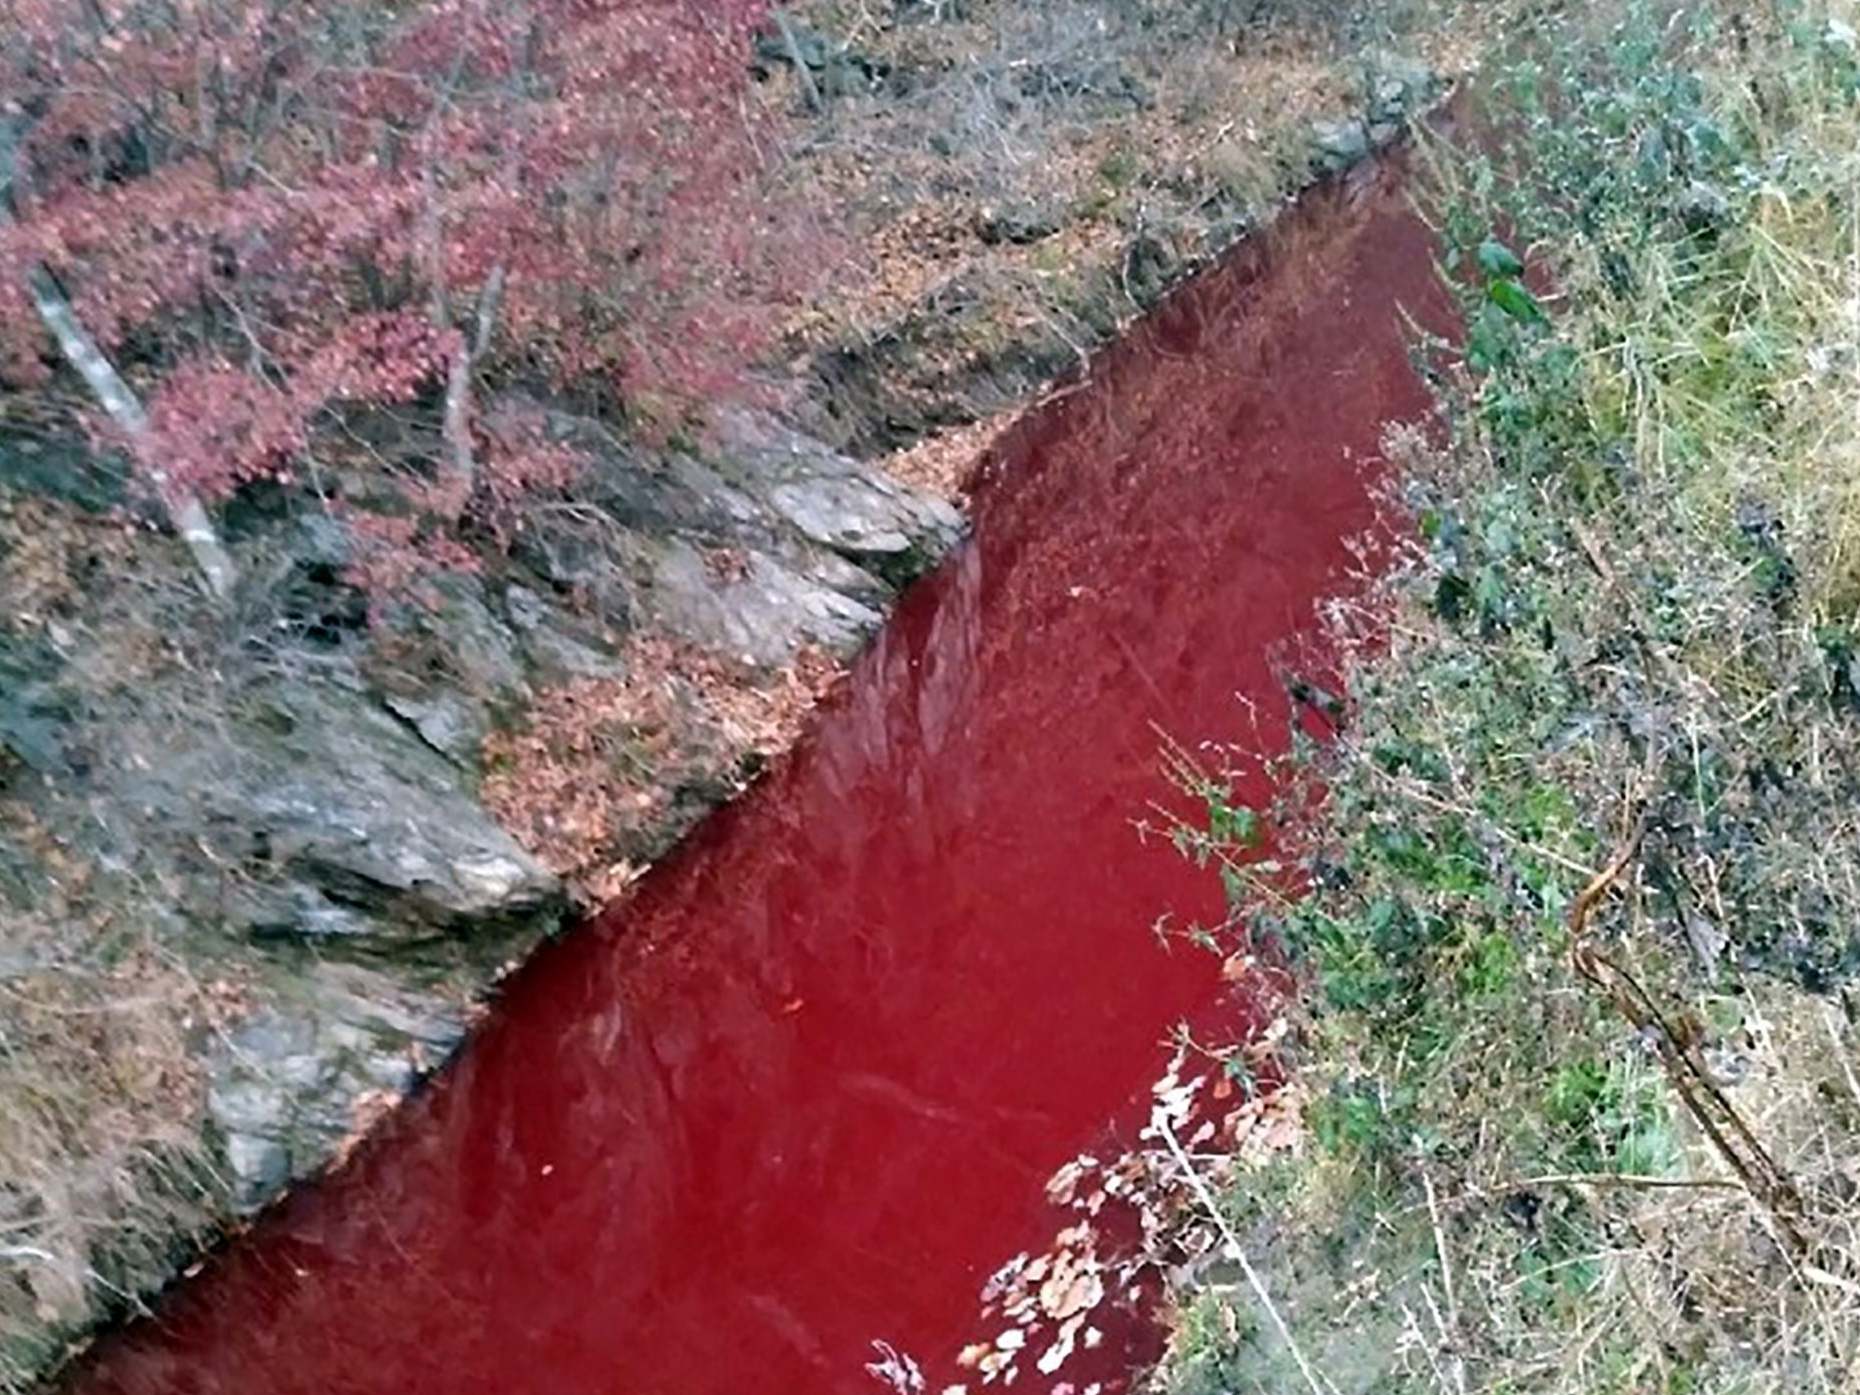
point(265, 862)
point(1575, 1047)
point(768, 1123)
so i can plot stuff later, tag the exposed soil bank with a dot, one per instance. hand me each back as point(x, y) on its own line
point(803, 1091)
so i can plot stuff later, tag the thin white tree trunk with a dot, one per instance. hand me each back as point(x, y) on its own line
point(118, 399)
point(458, 389)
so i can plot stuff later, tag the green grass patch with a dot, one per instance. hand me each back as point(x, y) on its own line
point(1626, 620)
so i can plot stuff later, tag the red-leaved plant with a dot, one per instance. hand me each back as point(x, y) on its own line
point(270, 213)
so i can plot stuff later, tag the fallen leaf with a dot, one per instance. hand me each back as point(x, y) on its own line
point(1064, 1295)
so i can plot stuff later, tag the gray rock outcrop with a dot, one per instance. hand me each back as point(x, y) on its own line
point(285, 805)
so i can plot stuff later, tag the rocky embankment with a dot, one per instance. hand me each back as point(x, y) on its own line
point(357, 799)
point(287, 856)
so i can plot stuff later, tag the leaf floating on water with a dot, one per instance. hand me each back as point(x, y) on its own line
point(1061, 1350)
point(1174, 1100)
point(1060, 1285)
point(1004, 1278)
point(1063, 1184)
point(1072, 1291)
point(895, 1369)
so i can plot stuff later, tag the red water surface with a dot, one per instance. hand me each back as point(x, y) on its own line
point(803, 1090)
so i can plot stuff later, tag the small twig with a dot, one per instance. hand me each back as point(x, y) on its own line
point(1762, 1177)
point(792, 43)
point(1235, 1249)
point(1625, 1179)
point(1638, 624)
point(1451, 1328)
point(1822, 1276)
point(458, 403)
point(1840, 1053)
point(1440, 1248)
point(1411, 1330)
point(1446, 806)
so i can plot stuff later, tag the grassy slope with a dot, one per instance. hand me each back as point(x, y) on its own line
point(1623, 661)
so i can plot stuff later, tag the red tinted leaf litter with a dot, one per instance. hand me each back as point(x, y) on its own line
point(836, 1100)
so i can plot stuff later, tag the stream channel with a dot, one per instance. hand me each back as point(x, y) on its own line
point(803, 1091)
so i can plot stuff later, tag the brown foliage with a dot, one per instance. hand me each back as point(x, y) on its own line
point(591, 780)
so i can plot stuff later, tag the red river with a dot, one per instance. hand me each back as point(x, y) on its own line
point(803, 1090)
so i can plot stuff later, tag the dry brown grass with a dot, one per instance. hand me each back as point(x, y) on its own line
point(592, 778)
point(101, 1152)
point(1122, 124)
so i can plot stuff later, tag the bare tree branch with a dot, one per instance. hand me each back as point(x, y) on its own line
point(799, 59)
point(458, 386)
